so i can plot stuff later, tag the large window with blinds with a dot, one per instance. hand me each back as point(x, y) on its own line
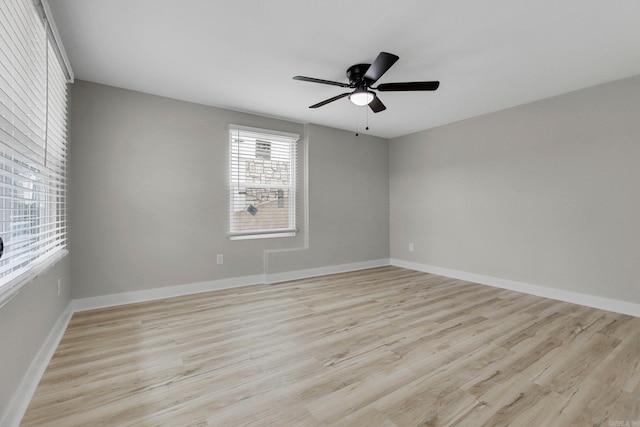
point(262, 183)
point(33, 153)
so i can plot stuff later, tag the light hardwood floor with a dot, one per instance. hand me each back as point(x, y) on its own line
point(380, 347)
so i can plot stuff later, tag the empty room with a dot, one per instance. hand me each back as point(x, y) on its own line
point(296, 213)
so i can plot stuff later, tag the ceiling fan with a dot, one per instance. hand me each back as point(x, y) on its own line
point(362, 77)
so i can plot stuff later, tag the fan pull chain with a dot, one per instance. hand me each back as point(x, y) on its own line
point(366, 118)
point(367, 107)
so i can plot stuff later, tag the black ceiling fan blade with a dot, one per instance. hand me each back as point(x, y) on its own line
point(326, 101)
point(325, 82)
point(407, 86)
point(376, 105)
point(381, 65)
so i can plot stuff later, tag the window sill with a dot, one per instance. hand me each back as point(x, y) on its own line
point(15, 285)
point(266, 235)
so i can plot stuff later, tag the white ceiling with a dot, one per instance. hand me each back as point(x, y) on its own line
point(242, 54)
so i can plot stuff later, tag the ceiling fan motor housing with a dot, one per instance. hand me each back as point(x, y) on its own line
point(356, 73)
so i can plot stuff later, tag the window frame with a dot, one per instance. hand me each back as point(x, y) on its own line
point(235, 183)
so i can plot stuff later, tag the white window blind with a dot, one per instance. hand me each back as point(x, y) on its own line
point(33, 153)
point(262, 183)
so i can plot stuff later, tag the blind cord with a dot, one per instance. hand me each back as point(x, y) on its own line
point(46, 111)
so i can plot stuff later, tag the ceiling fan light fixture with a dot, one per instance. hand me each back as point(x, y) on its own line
point(361, 97)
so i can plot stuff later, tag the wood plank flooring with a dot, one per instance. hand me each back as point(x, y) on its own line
point(380, 347)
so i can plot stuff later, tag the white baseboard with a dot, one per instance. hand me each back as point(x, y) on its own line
point(112, 300)
point(21, 398)
point(324, 271)
point(608, 304)
point(91, 303)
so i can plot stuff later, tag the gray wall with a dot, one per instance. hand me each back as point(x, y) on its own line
point(149, 195)
point(25, 323)
point(545, 193)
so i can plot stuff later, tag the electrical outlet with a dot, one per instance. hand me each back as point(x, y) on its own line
point(220, 259)
point(59, 286)
point(410, 247)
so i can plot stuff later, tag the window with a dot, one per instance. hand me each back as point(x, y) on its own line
point(33, 162)
point(262, 183)
point(263, 149)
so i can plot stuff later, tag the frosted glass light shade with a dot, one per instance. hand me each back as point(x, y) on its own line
point(361, 97)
